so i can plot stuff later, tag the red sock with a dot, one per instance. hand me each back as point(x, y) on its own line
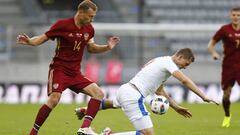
point(41, 117)
point(92, 109)
point(33, 132)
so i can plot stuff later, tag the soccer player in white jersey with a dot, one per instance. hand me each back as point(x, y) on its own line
point(148, 81)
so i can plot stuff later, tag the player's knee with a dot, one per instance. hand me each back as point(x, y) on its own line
point(99, 94)
point(148, 131)
point(226, 94)
point(53, 100)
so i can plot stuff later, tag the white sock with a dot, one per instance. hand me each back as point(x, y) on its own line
point(128, 133)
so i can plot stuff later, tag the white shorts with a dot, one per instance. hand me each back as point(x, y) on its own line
point(132, 103)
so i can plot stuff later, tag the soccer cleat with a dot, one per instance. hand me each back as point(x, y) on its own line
point(226, 121)
point(106, 131)
point(80, 112)
point(86, 131)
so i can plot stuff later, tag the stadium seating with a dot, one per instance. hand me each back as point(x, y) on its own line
point(188, 11)
point(10, 12)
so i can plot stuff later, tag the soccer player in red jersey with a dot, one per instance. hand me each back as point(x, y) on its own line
point(230, 36)
point(72, 35)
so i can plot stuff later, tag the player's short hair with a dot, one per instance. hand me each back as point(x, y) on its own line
point(87, 4)
point(186, 53)
point(235, 9)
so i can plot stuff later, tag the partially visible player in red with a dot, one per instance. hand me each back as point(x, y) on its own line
point(72, 35)
point(230, 36)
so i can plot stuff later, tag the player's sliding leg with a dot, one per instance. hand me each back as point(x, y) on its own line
point(128, 133)
point(226, 106)
point(108, 131)
point(105, 104)
point(125, 133)
point(143, 125)
point(44, 111)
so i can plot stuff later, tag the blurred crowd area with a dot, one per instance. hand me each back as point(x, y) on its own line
point(30, 64)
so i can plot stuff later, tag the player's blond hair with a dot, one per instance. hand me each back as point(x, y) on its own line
point(186, 53)
point(87, 4)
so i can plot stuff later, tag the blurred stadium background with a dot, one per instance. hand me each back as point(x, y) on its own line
point(147, 28)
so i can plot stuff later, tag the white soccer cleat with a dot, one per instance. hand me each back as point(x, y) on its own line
point(80, 112)
point(86, 131)
point(106, 131)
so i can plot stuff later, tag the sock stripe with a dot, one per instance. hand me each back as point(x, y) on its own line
point(36, 125)
point(88, 117)
point(35, 129)
point(138, 133)
point(102, 104)
point(93, 107)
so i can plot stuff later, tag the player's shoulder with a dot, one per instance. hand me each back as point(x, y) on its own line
point(65, 20)
point(163, 58)
point(89, 26)
point(226, 26)
point(167, 61)
point(62, 23)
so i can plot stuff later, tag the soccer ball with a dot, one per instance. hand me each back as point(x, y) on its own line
point(159, 105)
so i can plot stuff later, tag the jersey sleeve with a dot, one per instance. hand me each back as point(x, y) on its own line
point(218, 35)
point(55, 30)
point(91, 41)
point(171, 66)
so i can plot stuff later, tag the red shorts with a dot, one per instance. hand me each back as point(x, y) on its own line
point(229, 77)
point(59, 80)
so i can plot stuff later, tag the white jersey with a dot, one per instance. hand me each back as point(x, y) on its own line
point(153, 74)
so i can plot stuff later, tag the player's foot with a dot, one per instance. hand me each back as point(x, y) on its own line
point(106, 131)
point(226, 121)
point(86, 131)
point(80, 112)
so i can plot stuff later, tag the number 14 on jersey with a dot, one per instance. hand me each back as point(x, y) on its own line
point(77, 46)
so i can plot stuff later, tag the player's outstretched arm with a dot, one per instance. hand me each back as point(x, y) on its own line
point(95, 48)
point(161, 91)
point(34, 41)
point(181, 110)
point(192, 86)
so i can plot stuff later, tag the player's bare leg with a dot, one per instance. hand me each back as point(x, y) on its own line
point(44, 111)
point(147, 131)
point(226, 106)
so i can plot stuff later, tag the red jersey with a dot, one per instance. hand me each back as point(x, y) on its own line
point(231, 44)
point(71, 42)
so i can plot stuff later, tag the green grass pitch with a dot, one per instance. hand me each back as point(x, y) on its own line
point(206, 120)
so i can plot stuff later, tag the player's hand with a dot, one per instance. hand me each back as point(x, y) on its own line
point(210, 101)
point(23, 39)
point(215, 56)
point(113, 41)
point(184, 112)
